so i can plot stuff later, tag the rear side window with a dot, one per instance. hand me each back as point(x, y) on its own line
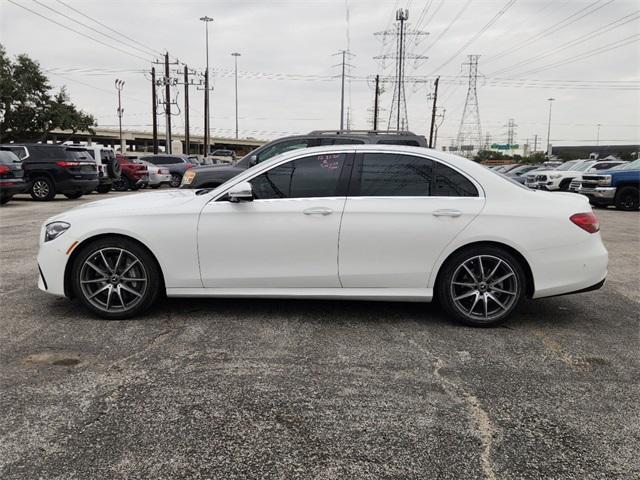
point(8, 157)
point(449, 183)
point(340, 141)
point(20, 152)
point(315, 176)
point(393, 175)
point(285, 146)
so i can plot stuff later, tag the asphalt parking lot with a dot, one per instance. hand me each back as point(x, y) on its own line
point(316, 389)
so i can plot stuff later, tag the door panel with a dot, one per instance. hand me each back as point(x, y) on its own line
point(270, 243)
point(402, 211)
point(287, 236)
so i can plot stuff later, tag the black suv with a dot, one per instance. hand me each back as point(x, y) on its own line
point(53, 169)
point(11, 176)
point(214, 175)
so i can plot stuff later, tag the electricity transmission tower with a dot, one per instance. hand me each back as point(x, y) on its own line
point(398, 110)
point(470, 133)
point(511, 130)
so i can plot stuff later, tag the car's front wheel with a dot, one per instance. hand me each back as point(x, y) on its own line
point(628, 198)
point(116, 278)
point(481, 286)
point(122, 184)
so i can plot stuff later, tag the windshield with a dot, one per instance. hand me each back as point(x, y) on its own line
point(584, 166)
point(635, 165)
point(567, 165)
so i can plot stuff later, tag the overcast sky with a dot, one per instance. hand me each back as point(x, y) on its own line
point(583, 53)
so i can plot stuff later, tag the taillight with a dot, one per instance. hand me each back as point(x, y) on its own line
point(66, 164)
point(189, 165)
point(586, 221)
point(4, 169)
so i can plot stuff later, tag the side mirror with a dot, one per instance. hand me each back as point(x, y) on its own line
point(242, 192)
point(253, 159)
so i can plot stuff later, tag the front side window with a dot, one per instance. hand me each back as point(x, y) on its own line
point(315, 176)
point(394, 175)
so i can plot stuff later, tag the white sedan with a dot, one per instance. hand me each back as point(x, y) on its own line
point(366, 222)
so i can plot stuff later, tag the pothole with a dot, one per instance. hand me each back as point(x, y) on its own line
point(58, 359)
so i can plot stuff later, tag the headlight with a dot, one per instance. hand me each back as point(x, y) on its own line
point(605, 180)
point(555, 175)
point(54, 230)
point(188, 177)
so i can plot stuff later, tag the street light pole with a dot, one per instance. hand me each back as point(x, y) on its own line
point(550, 100)
point(236, 55)
point(598, 136)
point(206, 21)
point(119, 87)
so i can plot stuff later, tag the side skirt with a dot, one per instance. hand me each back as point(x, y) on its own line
point(371, 294)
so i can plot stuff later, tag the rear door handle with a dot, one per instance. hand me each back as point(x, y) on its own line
point(447, 213)
point(318, 211)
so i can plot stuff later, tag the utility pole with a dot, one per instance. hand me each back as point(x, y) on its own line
point(433, 111)
point(119, 87)
point(435, 136)
point(470, 130)
point(598, 136)
point(344, 53)
point(167, 107)
point(375, 103)
point(535, 143)
point(236, 55)
point(187, 140)
point(549, 148)
point(398, 111)
point(206, 21)
point(154, 110)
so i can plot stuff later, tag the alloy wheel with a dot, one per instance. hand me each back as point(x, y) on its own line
point(175, 180)
point(113, 279)
point(40, 188)
point(484, 287)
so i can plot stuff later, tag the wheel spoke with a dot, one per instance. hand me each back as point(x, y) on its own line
point(464, 284)
point(482, 277)
point(466, 295)
point(124, 279)
point(130, 290)
point(495, 269)
point(473, 277)
point(507, 292)
point(100, 290)
point(109, 293)
point(502, 279)
point(119, 293)
point(129, 267)
point(95, 280)
point(492, 297)
point(104, 260)
point(475, 302)
point(115, 269)
point(486, 305)
point(99, 270)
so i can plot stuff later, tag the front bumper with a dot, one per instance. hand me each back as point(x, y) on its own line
point(52, 262)
point(604, 193)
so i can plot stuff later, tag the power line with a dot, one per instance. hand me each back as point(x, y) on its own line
point(556, 26)
point(595, 33)
point(78, 32)
point(478, 34)
point(448, 27)
point(154, 52)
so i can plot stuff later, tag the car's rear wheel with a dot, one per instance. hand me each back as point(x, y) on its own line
point(481, 286)
point(103, 189)
point(116, 278)
point(176, 180)
point(122, 184)
point(73, 196)
point(42, 189)
point(628, 198)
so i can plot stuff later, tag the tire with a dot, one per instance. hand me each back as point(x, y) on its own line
point(122, 185)
point(103, 189)
point(465, 297)
point(115, 298)
point(628, 199)
point(42, 189)
point(4, 199)
point(155, 186)
point(176, 180)
point(73, 196)
point(564, 185)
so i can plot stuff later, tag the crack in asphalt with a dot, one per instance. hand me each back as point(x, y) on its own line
point(484, 426)
point(572, 361)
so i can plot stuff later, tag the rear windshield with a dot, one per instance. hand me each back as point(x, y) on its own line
point(78, 154)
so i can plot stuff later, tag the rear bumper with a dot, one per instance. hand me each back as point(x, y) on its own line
point(9, 187)
point(78, 185)
point(569, 269)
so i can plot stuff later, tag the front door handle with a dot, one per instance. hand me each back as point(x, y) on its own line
point(446, 212)
point(318, 211)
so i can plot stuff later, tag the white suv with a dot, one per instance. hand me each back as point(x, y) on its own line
point(560, 177)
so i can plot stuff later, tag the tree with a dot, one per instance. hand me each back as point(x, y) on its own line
point(28, 110)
